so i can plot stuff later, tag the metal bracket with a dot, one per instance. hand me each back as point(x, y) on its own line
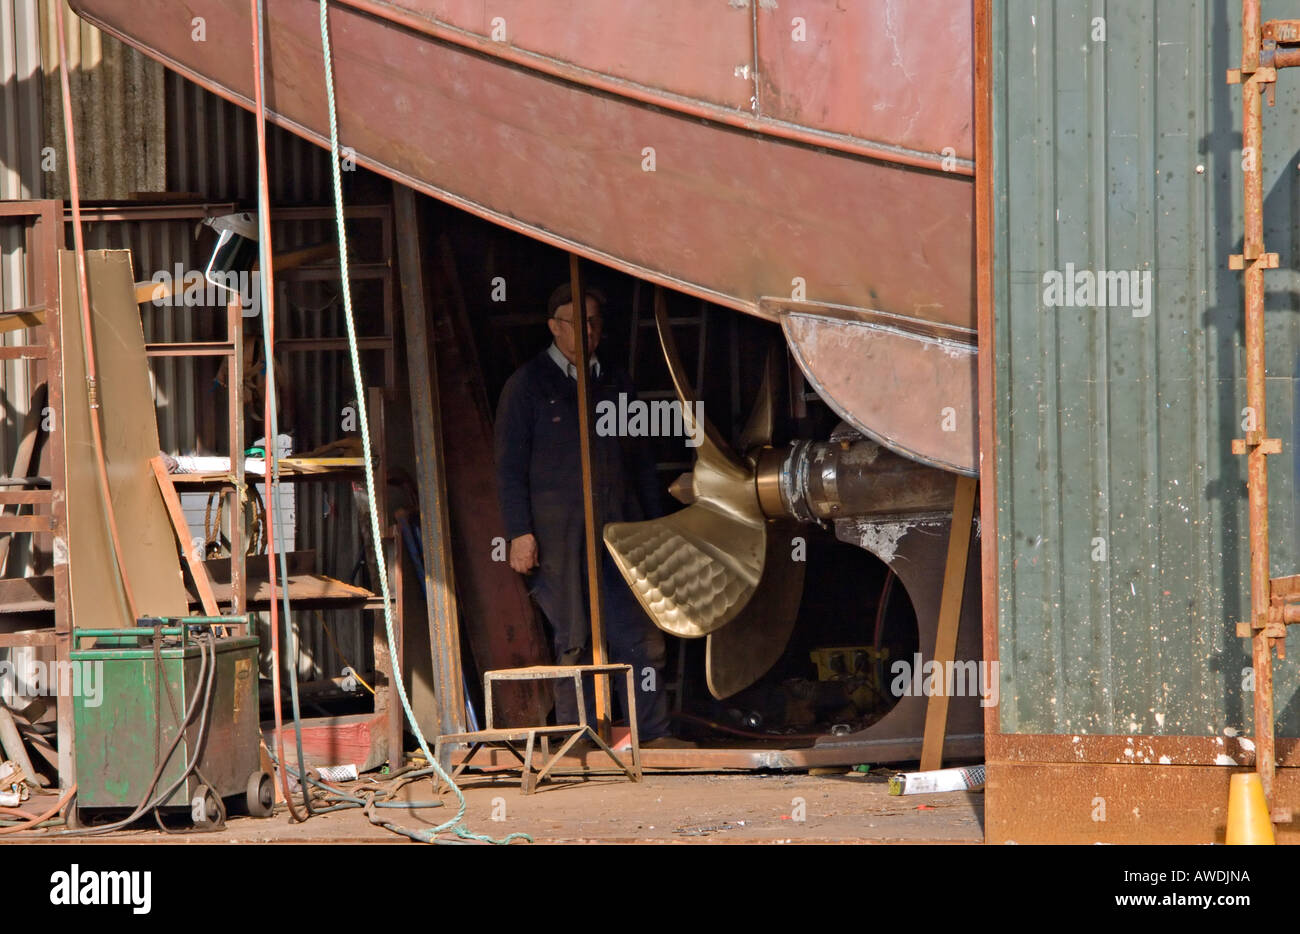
point(1283, 31)
point(1285, 588)
point(1264, 261)
point(1264, 74)
point(1265, 445)
point(1271, 629)
point(1283, 610)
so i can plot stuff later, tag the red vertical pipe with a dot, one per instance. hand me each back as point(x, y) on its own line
point(1252, 134)
point(264, 222)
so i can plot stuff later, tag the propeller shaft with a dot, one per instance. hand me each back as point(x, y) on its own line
point(813, 481)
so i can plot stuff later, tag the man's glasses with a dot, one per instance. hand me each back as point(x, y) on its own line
point(592, 322)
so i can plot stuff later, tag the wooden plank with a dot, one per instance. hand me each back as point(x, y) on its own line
point(255, 566)
point(426, 416)
point(130, 433)
point(20, 319)
point(202, 581)
point(396, 717)
point(37, 523)
point(12, 497)
point(945, 643)
point(306, 591)
point(28, 637)
point(377, 628)
point(26, 594)
point(23, 352)
point(292, 469)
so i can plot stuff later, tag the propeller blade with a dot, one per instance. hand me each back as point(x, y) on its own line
point(713, 448)
point(760, 425)
point(697, 572)
point(745, 649)
point(693, 570)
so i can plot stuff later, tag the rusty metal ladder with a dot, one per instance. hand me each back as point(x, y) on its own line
point(1274, 602)
point(47, 515)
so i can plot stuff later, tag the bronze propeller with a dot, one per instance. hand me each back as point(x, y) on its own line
point(719, 568)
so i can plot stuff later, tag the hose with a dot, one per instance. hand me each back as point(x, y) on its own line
point(456, 825)
point(374, 798)
point(30, 822)
point(160, 684)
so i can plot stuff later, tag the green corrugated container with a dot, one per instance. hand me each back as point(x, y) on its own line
point(1123, 559)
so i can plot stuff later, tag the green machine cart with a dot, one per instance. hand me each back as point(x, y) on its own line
point(126, 726)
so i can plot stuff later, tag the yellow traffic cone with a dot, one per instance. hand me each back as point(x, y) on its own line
point(1248, 818)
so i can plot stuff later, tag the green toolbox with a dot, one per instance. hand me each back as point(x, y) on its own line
point(126, 727)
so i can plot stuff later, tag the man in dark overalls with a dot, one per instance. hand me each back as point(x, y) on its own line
point(539, 481)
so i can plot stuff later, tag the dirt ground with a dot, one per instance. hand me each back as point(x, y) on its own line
point(666, 808)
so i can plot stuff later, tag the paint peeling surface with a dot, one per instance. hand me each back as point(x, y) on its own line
point(1122, 544)
point(882, 538)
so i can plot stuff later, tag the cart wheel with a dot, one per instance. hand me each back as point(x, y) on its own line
point(204, 807)
point(259, 796)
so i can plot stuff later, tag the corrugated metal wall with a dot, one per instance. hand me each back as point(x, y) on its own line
point(21, 130)
point(117, 102)
point(1122, 551)
point(212, 151)
point(21, 113)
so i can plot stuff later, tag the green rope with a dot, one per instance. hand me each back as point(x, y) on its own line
point(456, 824)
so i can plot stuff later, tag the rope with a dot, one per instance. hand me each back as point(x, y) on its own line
point(457, 824)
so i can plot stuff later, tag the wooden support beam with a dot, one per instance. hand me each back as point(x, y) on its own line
point(202, 580)
point(21, 318)
point(396, 716)
point(384, 705)
point(945, 643)
point(426, 416)
point(595, 546)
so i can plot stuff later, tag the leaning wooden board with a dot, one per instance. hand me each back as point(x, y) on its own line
point(130, 430)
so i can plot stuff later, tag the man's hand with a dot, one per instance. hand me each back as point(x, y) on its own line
point(523, 553)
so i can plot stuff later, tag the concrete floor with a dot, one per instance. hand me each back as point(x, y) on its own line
point(665, 808)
